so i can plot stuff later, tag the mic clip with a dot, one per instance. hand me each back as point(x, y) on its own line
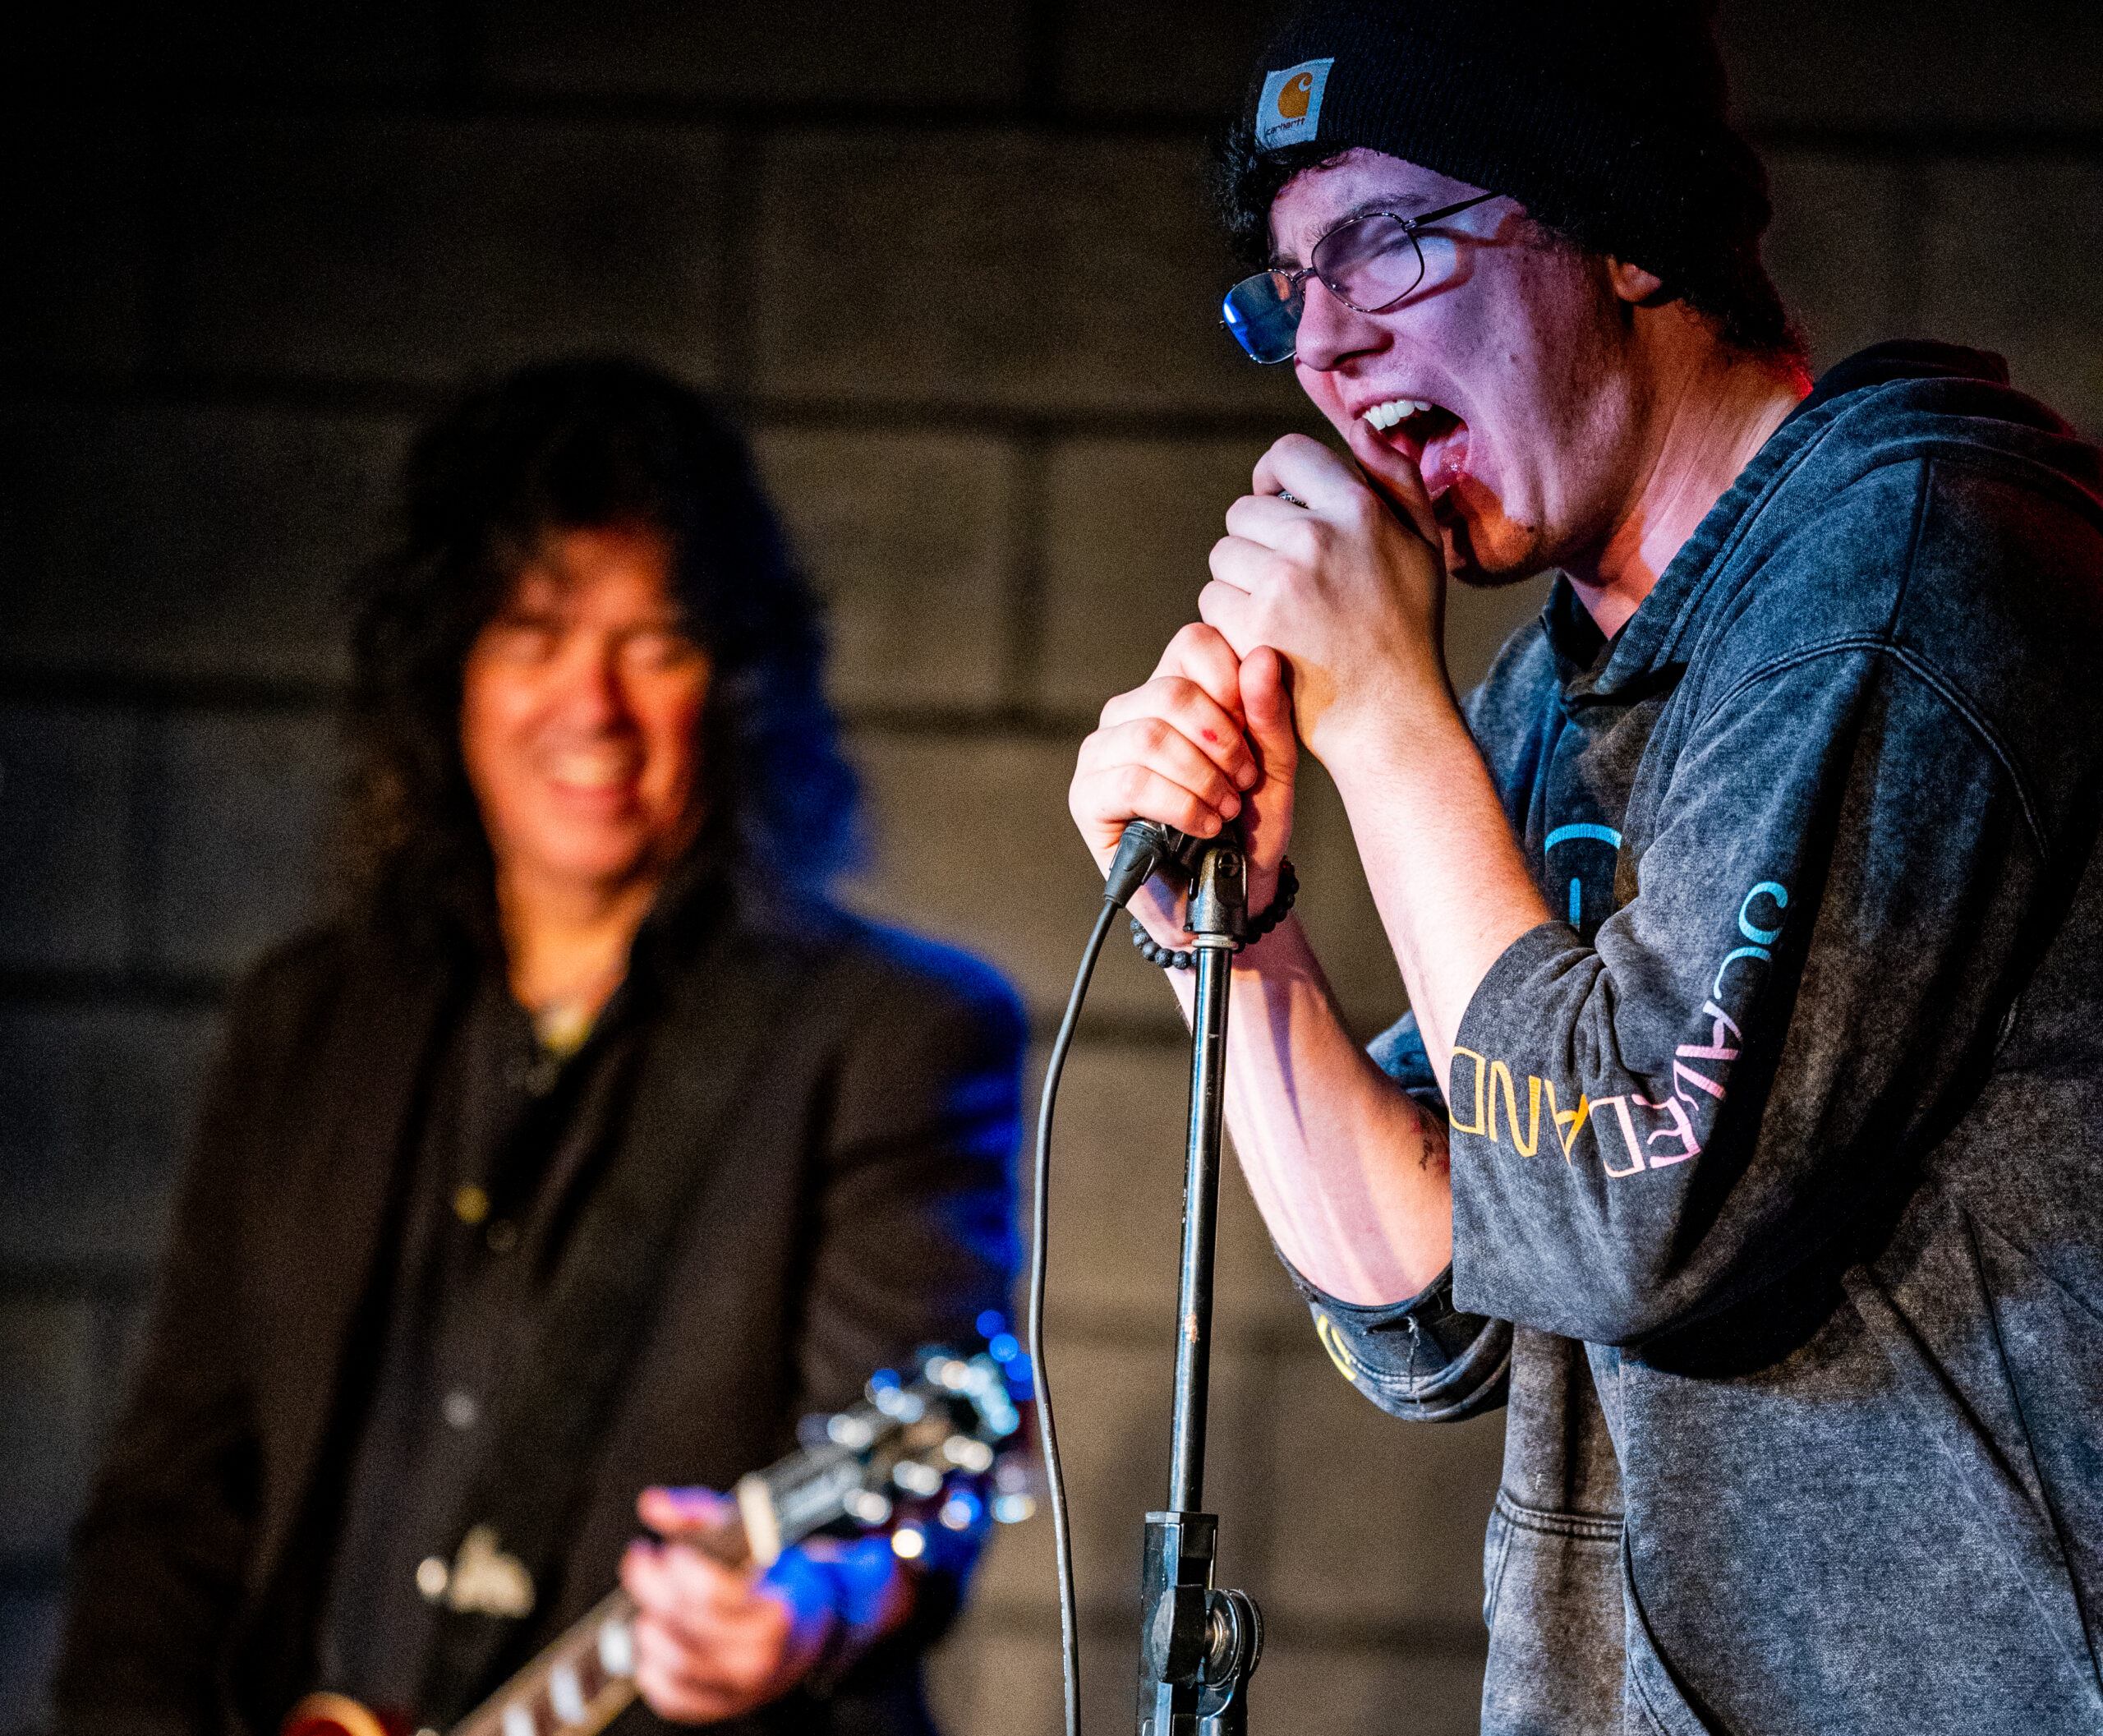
point(1213, 871)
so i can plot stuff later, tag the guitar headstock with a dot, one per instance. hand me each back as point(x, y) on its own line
point(940, 1448)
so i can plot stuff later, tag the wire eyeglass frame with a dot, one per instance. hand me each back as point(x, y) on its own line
point(1265, 321)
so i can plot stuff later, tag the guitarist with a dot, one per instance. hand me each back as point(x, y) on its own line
point(585, 1152)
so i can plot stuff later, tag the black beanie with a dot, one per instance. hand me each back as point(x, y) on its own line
point(1605, 118)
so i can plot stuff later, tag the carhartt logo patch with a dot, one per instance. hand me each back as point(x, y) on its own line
point(1291, 107)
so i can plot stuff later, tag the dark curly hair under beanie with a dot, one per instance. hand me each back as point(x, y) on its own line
point(1605, 118)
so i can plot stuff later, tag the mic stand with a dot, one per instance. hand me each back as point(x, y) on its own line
point(1197, 1646)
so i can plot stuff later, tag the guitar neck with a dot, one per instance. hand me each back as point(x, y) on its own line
point(576, 1687)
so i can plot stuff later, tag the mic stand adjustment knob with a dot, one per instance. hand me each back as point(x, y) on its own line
point(1201, 1645)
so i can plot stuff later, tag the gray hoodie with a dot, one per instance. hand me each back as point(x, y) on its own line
point(1778, 1163)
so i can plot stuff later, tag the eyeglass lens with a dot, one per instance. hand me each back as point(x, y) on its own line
point(1369, 264)
point(1262, 312)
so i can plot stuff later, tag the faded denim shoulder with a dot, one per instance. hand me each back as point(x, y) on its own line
point(1779, 1149)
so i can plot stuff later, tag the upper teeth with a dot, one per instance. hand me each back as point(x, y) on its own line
point(589, 769)
point(1386, 415)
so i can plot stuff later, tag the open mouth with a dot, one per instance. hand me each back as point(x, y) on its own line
point(1430, 436)
point(595, 771)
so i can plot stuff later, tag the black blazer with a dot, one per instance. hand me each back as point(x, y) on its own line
point(851, 1096)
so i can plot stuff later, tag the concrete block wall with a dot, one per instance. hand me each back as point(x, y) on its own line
point(948, 261)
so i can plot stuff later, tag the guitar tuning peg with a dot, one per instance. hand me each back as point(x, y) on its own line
point(968, 1454)
point(951, 1372)
point(899, 1404)
point(915, 1478)
point(848, 1430)
point(868, 1507)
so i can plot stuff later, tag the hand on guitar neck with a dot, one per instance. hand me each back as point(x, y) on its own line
point(713, 1640)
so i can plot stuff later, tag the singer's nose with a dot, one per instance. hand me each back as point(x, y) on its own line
point(592, 697)
point(1329, 331)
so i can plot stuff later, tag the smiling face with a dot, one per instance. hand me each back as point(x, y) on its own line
point(1510, 377)
point(580, 709)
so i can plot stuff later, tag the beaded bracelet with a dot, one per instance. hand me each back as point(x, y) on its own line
point(1259, 925)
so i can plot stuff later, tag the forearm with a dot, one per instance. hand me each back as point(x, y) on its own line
point(1348, 1173)
point(1447, 877)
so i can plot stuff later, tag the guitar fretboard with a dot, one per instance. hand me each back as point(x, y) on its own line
point(576, 1688)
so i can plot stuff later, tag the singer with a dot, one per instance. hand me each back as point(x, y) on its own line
point(1742, 1136)
point(584, 1153)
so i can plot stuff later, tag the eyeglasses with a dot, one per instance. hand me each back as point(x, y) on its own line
point(1368, 264)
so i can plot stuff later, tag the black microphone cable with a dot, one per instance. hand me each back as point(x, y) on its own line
point(1142, 850)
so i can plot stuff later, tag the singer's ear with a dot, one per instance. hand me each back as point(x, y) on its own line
point(1634, 285)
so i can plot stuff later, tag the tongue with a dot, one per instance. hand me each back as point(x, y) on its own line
point(1444, 459)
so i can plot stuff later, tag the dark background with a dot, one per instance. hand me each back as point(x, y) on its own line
point(948, 261)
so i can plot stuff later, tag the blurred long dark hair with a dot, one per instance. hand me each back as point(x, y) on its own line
point(570, 445)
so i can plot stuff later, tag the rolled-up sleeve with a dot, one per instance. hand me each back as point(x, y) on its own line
point(1421, 1360)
